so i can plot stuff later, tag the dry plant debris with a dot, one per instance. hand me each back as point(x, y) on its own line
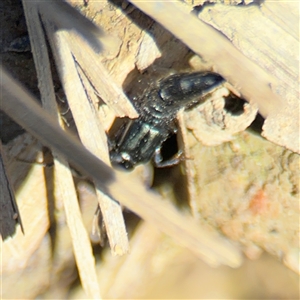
point(254, 174)
point(275, 49)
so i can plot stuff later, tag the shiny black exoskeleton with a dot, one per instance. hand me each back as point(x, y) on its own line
point(139, 140)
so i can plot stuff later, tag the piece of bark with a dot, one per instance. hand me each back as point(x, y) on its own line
point(212, 124)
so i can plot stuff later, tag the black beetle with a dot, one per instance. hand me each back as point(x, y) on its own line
point(140, 140)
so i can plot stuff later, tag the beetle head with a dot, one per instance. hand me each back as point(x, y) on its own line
point(122, 159)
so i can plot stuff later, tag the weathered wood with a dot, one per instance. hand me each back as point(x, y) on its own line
point(271, 84)
point(268, 34)
point(92, 136)
point(64, 181)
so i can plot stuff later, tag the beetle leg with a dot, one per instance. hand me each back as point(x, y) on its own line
point(173, 161)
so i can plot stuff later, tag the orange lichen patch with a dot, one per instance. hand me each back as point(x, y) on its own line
point(259, 203)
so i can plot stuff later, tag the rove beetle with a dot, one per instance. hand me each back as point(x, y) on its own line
point(139, 140)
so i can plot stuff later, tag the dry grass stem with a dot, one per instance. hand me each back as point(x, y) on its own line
point(66, 188)
point(91, 134)
point(65, 17)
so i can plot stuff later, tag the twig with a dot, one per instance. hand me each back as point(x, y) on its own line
point(66, 188)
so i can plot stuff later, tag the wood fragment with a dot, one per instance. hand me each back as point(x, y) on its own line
point(99, 77)
point(91, 133)
point(212, 124)
point(64, 16)
point(66, 188)
point(275, 50)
